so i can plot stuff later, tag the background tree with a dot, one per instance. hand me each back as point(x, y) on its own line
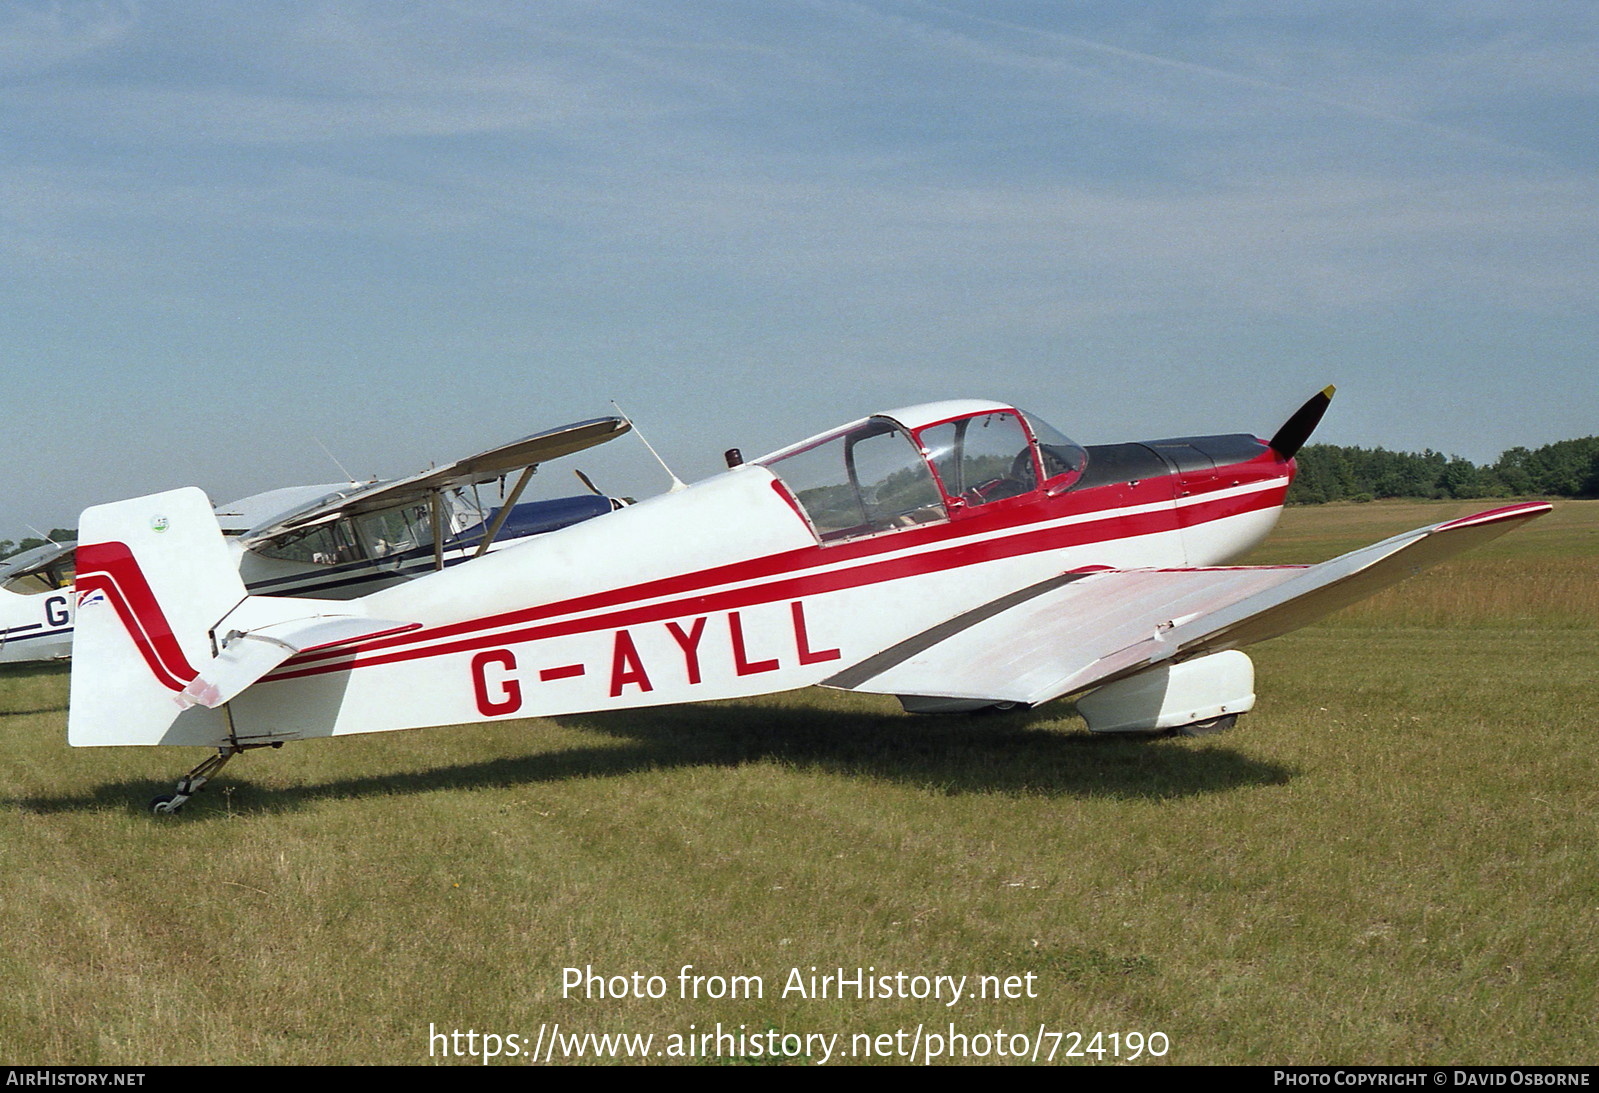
point(1327, 472)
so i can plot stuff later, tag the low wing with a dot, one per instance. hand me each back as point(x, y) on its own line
point(1079, 630)
point(483, 467)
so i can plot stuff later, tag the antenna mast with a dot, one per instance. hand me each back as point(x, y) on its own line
point(677, 483)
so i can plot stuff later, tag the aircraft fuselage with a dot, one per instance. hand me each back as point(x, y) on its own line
point(729, 588)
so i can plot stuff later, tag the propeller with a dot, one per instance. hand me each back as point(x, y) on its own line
point(1297, 429)
point(616, 502)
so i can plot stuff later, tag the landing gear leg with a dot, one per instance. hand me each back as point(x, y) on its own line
point(194, 781)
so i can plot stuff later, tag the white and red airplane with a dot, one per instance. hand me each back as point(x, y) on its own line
point(958, 555)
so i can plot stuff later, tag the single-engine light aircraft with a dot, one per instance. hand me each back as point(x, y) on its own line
point(958, 555)
point(336, 541)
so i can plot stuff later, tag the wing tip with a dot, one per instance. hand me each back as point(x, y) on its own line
point(1526, 510)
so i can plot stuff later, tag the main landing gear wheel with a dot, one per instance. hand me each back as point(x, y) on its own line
point(163, 806)
point(1211, 727)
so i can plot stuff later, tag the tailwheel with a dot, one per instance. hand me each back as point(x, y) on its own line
point(194, 781)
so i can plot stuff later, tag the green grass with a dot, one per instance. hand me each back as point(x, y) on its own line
point(1392, 860)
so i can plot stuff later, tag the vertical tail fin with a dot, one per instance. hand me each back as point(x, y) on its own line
point(154, 578)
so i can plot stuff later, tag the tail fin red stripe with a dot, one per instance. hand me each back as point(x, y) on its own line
point(112, 569)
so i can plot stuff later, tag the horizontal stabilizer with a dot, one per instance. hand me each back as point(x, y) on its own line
point(248, 655)
point(1083, 629)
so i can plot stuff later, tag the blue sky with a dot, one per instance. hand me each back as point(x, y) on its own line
point(231, 234)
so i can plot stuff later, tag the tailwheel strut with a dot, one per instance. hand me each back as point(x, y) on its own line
point(194, 781)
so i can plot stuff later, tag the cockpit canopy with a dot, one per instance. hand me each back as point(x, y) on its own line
point(884, 473)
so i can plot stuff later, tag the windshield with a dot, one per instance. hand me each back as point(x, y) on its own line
point(1061, 454)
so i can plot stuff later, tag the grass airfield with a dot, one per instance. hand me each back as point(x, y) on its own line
point(1392, 860)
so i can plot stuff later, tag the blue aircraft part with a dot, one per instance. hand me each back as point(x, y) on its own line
point(538, 517)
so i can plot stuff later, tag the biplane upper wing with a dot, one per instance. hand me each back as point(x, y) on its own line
point(1082, 629)
point(486, 466)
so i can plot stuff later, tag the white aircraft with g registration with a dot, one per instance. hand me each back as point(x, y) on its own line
point(36, 603)
point(958, 555)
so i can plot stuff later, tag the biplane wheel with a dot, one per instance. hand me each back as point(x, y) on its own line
point(1210, 727)
point(163, 806)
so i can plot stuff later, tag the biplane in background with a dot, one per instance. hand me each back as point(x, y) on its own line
point(958, 555)
point(337, 541)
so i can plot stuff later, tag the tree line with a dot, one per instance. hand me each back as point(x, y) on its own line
point(1328, 472)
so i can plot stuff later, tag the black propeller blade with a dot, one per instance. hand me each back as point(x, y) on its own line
point(1297, 429)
